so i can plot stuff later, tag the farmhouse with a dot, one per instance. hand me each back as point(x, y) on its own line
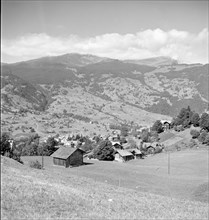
point(123, 156)
point(68, 156)
point(116, 145)
point(136, 152)
point(166, 124)
point(152, 148)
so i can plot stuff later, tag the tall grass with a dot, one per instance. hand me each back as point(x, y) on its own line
point(39, 194)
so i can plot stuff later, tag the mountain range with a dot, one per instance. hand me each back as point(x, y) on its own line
point(97, 87)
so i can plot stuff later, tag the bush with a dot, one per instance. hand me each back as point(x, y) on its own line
point(16, 156)
point(195, 133)
point(35, 164)
point(178, 148)
point(193, 143)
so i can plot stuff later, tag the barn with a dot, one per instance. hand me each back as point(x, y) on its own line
point(68, 156)
point(123, 156)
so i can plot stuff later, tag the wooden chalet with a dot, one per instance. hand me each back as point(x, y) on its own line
point(117, 145)
point(68, 156)
point(123, 156)
point(136, 152)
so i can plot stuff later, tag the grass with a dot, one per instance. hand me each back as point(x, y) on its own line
point(42, 194)
point(188, 171)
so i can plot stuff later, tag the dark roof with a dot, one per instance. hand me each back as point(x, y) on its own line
point(64, 152)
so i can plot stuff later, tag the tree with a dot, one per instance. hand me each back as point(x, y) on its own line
point(104, 151)
point(187, 123)
point(6, 150)
point(195, 119)
point(202, 137)
point(145, 136)
point(154, 136)
point(50, 145)
point(124, 131)
point(207, 139)
point(5, 145)
point(204, 121)
point(157, 126)
point(195, 133)
point(184, 117)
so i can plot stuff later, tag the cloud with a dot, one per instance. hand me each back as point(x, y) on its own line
point(184, 46)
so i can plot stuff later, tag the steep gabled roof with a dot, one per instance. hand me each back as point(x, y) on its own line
point(124, 153)
point(64, 152)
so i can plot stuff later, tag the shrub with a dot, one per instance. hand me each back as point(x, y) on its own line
point(35, 164)
point(178, 148)
point(192, 143)
point(16, 156)
point(195, 133)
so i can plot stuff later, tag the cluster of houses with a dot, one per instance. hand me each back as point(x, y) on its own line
point(70, 154)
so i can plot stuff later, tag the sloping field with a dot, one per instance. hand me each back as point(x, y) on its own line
point(188, 172)
point(42, 194)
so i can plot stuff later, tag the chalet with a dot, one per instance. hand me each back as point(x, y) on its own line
point(116, 145)
point(68, 156)
point(136, 152)
point(166, 124)
point(152, 148)
point(123, 156)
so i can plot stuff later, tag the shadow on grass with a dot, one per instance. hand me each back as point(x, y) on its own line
point(84, 163)
point(87, 163)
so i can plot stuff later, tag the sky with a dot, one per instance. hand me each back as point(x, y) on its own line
point(115, 29)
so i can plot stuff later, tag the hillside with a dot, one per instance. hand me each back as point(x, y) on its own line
point(17, 93)
point(28, 193)
point(105, 90)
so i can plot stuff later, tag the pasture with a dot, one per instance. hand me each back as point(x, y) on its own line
point(187, 177)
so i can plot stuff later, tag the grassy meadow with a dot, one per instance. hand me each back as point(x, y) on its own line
point(139, 189)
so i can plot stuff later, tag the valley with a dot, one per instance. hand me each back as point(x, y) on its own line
point(85, 94)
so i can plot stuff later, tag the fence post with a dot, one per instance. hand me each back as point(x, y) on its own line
point(42, 159)
point(168, 163)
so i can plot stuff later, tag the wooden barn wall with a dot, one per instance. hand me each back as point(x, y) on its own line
point(76, 158)
point(59, 161)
